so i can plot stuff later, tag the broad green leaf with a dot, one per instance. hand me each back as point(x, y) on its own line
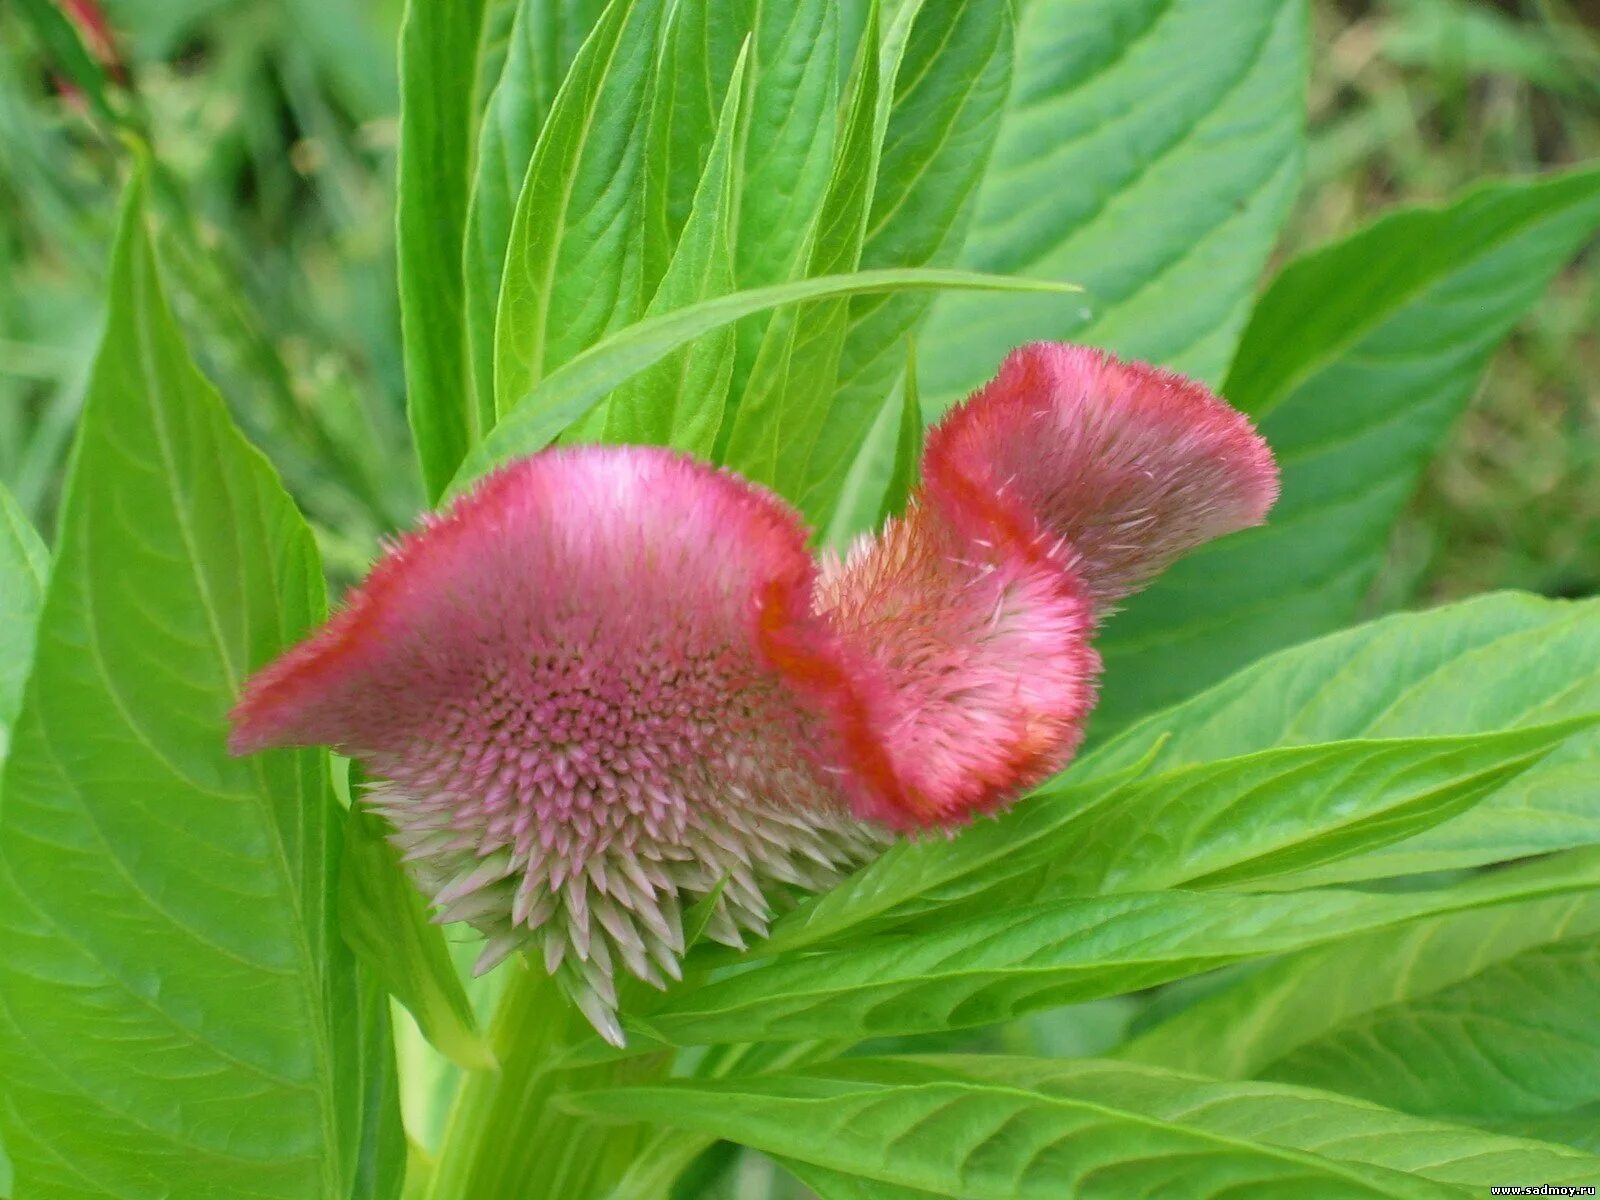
point(179, 1012)
point(438, 67)
point(24, 566)
point(544, 39)
point(1358, 360)
point(1485, 1017)
point(948, 97)
point(1497, 662)
point(1517, 1042)
point(1003, 1128)
point(569, 392)
point(573, 260)
point(965, 972)
point(384, 918)
point(1159, 189)
point(679, 401)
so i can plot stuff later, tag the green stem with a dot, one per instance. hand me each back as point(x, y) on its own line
point(506, 1139)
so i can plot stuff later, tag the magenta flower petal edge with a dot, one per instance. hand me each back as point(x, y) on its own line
point(612, 681)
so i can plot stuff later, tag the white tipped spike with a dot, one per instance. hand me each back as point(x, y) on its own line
point(486, 871)
point(496, 950)
point(603, 1018)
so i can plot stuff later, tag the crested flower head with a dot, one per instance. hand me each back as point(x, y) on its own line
point(1125, 465)
point(561, 685)
point(612, 681)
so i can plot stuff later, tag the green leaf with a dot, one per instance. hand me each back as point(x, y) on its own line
point(789, 150)
point(1516, 660)
point(573, 261)
point(438, 66)
point(781, 407)
point(178, 1007)
point(65, 47)
point(1486, 1017)
point(923, 874)
point(545, 38)
point(948, 97)
point(1160, 189)
point(24, 566)
point(679, 401)
point(1359, 358)
point(1266, 815)
point(384, 918)
point(704, 45)
point(907, 442)
point(962, 973)
point(569, 392)
point(1261, 818)
point(1003, 1128)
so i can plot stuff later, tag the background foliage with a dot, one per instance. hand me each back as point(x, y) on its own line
point(1310, 916)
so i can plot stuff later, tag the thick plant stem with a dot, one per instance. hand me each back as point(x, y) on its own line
point(506, 1139)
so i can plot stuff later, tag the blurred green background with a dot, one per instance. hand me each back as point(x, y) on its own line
point(274, 124)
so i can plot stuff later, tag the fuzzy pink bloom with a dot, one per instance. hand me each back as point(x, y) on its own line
point(976, 662)
point(1129, 465)
point(612, 681)
point(562, 686)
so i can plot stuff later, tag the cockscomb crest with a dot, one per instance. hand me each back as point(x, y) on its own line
point(612, 681)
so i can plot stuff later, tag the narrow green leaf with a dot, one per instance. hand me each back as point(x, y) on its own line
point(1262, 818)
point(438, 66)
point(24, 565)
point(704, 46)
point(1485, 1017)
point(946, 107)
point(1359, 358)
point(573, 261)
point(569, 392)
point(916, 875)
point(1004, 1128)
point(544, 40)
point(1266, 815)
point(780, 406)
point(1160, 190)
point(967, 972)
point(380, 1152)
point(384, 918)
point(65, 47)
point(177, 1014)
point(907, 442)
point(789, 149)
point(679, 401)
point(1520, 659)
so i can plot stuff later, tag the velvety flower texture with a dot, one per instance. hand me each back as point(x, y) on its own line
point(612, 681)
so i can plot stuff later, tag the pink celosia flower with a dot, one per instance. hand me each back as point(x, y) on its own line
point(1128, 465)
point(612, 680)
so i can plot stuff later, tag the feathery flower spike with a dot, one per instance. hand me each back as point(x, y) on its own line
point(611, 679)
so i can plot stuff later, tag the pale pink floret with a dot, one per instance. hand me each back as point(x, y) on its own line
point(1128, 465)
